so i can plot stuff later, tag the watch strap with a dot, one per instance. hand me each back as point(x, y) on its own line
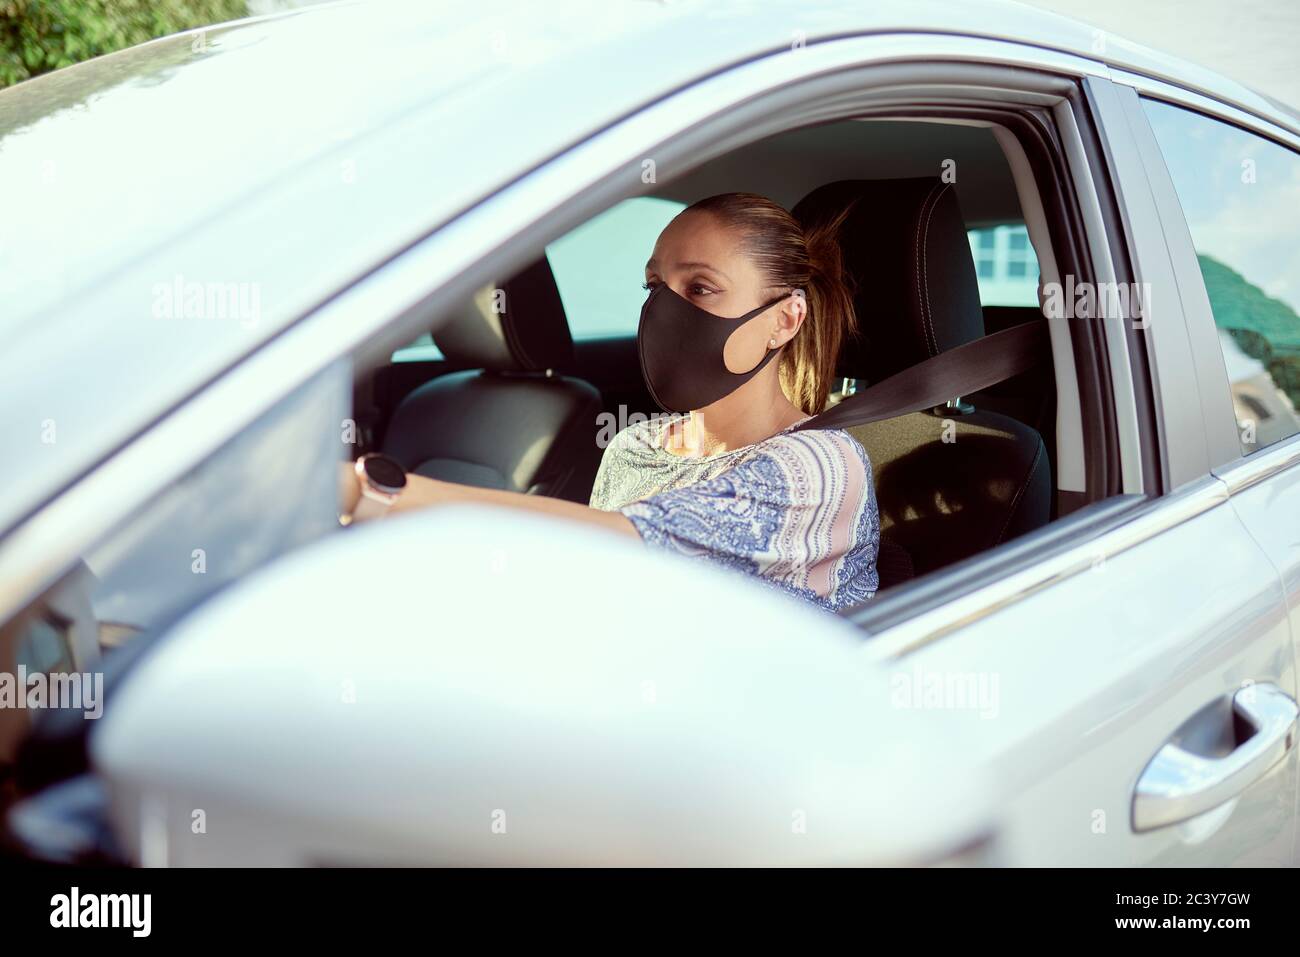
point(368, 507)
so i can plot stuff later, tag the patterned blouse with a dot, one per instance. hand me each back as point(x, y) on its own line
point(798, 509)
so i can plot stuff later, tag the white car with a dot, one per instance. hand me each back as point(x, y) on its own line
point(232, 258)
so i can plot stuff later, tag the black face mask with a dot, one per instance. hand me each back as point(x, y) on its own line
point(681, 347)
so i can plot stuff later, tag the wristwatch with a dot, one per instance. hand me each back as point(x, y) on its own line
point(382, 479)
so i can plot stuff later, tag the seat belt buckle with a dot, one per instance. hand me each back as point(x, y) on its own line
point(952, 407)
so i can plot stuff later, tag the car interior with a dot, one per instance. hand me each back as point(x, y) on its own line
point(516, 397)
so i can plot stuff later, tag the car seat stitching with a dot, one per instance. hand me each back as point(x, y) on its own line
point(920, 219)
point(928, 313)
point(1015, 502)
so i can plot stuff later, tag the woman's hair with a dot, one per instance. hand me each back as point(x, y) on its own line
point(791, 259)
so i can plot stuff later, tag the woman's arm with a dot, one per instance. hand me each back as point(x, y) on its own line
point(421, 492)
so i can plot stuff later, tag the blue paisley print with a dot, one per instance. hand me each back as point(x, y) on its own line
point(797, 511)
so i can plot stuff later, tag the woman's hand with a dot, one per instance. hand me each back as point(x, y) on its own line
point(349, 487)
point(420, 492)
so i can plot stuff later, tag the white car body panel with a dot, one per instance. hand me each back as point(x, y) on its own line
point(1097, 671)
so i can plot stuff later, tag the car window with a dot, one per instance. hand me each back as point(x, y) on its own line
point(270, 489)
point(1005, 265)
point(599, 269)
point(600, 266)
point(421, 350)
point(1240, 193)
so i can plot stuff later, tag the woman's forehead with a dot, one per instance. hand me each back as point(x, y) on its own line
point(696, 239)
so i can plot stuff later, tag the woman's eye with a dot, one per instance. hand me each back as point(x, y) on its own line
point(694, 289)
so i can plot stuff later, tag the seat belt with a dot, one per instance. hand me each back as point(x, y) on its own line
point(967, 368)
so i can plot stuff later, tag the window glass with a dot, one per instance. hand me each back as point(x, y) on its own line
point(421, 350)
point(272, 488)
point(1240, 193)
point(599, 269)
point(600, 266)
point(1005, 265)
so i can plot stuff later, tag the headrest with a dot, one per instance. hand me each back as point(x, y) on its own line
point(520, 327)
point(904, 244)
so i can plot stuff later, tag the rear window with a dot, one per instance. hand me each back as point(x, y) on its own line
point(1005, 265)
point(1240, 193)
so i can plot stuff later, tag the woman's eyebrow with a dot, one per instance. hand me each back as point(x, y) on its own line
point(692, 264)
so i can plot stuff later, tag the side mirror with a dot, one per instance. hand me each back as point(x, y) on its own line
point(474, 686)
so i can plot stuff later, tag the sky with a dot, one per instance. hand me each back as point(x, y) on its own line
point(1254, 42)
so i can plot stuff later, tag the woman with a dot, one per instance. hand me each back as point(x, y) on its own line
point(728, 477)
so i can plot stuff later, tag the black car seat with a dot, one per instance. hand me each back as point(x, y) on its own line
point(945, 491)
point(515, 422)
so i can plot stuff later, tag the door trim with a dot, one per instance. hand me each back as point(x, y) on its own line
point(1286, 135)
point(1071, 546)
point(1248, 471)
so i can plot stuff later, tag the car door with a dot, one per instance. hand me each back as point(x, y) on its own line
point(1236, 184)
point(1134, 688)
point(1111, 651)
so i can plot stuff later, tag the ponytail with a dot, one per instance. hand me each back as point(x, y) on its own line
point(808, 366)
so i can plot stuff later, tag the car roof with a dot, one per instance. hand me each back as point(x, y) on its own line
point(280, 157)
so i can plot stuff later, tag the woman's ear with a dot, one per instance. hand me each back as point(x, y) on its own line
point(790, 317)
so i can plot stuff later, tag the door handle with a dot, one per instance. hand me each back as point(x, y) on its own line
point(1180, 783)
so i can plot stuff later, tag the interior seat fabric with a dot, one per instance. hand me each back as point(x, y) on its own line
point(514, 422)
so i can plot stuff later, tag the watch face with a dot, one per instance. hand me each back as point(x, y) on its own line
point(385, 473)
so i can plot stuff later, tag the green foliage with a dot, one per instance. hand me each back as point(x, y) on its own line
point(37, 36)
point(1264, 328)
point(1239, 304)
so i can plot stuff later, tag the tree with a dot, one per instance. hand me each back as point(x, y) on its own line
point(37, 36)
